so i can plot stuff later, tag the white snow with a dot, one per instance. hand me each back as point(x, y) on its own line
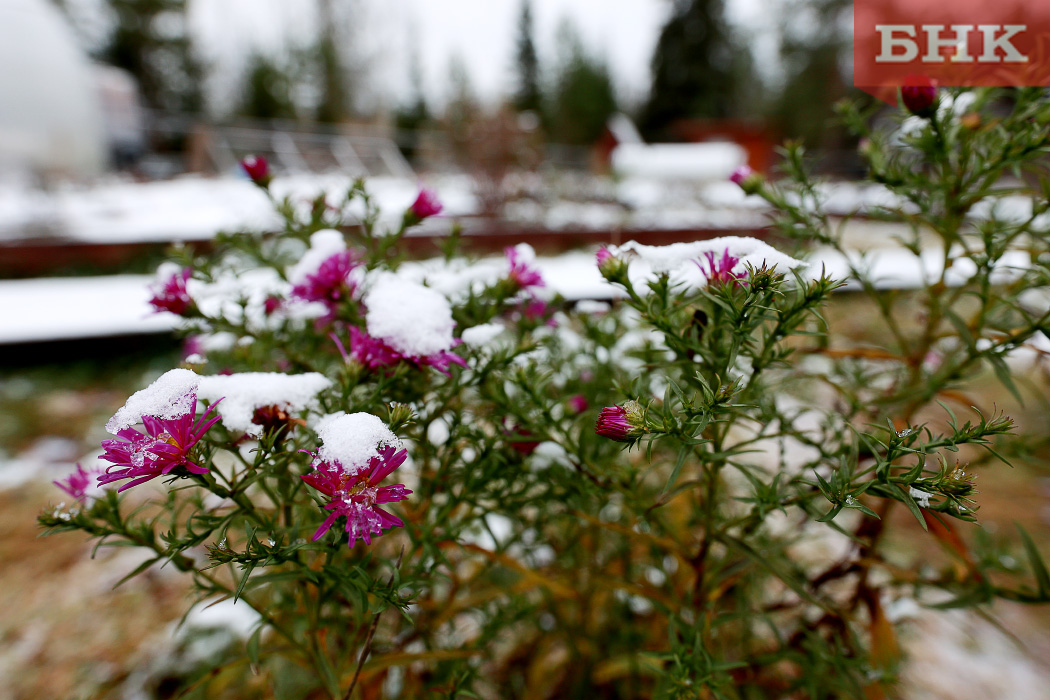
point(80, 307)
point(353, 439)
point(680, 259)
point(694, 161)
point(173, 395)
point(413, 319)
point(323, 245)
point(481, 335)
point(922, 498)
point(244, 392)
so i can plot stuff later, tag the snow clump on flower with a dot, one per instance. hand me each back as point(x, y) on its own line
point(679, 260)
point(172, 396)
point(247, 391)
point(351, 441)
point(412, 319)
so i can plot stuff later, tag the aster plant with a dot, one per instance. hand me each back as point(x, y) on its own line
point(423, 484)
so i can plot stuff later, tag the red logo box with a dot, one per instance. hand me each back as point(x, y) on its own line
point(954, 42)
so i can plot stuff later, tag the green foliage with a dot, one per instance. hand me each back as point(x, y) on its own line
point(695, 68)
point(151, 42)
point(584, 97)
point(529, 96)
point(737, 544)
point(268, 91)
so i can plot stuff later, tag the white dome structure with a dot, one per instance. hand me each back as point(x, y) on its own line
point(50, 121)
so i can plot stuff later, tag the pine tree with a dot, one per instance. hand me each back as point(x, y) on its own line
point(268, 91)
point(693, 68)
point(151, 42)
point(814, 80)
point(529, 96)
point(584, 94)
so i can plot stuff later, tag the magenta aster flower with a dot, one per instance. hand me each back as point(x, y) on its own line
point(521, 274)
point(164, 446)
point(720, 270)
point(425, 206)
point(172, 295)
point(535, 311)
point(258, 169)
point(622, 423)
point(375, 354)
point(578, 403)
point(81, 483)
point(331, 283)
point(357, 496)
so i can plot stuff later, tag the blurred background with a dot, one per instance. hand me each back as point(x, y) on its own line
point(564, 123)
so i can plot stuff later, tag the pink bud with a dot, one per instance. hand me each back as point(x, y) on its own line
point(258, 169)
point(740, 174)
point(426, 205)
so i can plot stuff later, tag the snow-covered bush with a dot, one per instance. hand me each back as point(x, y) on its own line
point(439, 481)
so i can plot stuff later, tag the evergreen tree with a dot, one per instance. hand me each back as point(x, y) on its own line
point(151, 42)
point(693, 69)
point(268, 92)
point(584, 96)
point(415, 115)
point(814, 81)
point(334, 105)
point(529, 96)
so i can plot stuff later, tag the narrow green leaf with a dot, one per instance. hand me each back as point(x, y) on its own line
point(1035, 560)
point(244, 581)
point(912, 506)
point(137, 570)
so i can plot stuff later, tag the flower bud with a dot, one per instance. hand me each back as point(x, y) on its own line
point(425, 206)
point(623, 423)
point(258, 169)
point(747, 179)
point(612, 267)
point(919, 94)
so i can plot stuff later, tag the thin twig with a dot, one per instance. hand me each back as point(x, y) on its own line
point(371, 633)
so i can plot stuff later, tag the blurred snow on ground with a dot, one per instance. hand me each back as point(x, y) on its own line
point(959, 655)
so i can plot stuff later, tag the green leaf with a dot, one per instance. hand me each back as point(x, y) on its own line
point(244, 580)
point(137, 570)
point(1035, 560)
point(253, 646)
point(912, 506)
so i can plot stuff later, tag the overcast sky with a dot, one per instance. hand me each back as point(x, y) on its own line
point(482, 32)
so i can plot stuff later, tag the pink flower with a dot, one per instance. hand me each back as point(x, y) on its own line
point(720, 271)
point(425, 206)
point(622, 423)
point(172, 295)
point(81, 483)
point(357, 495)
point(271, 304)
point(919, 94)
point(535, 311)
point(521, 275)
point(578, 403)
point(258, 169)
point(331, 283)
point(165, 445)
point(375, 354)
